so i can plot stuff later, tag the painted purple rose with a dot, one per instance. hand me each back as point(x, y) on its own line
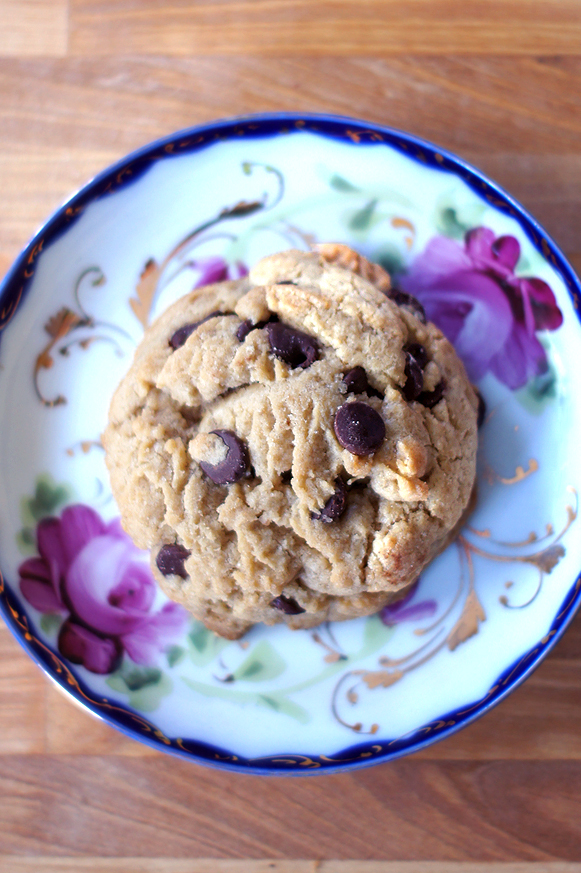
point(403, 610)
point(89, 570)
point(216, 269)
point(490, 315)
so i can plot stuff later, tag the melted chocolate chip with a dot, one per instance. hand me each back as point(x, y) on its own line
point(356, 383)
point(244, 329)
point(287, 605)
point(418, 352)
point(414, 381)
point(481, 414)
point(182, 333)
point(430, 398)
point(286, 476)
point(403, 299)
point(335, 505)
point(234, 466)
point(170, 560)
point(292, 346)
point(416, 359)
point(180, 336)
point(359, 428)
point(249, 325)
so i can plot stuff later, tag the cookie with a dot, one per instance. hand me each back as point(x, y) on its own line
point(294, 446)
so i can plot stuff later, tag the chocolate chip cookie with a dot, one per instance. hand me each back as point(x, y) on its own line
point(294, 446)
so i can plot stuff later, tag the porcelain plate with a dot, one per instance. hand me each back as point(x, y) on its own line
point(205, 204)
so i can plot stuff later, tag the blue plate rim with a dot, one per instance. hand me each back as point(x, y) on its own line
point(113, 178)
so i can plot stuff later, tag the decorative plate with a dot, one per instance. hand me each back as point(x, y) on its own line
point(203, 205)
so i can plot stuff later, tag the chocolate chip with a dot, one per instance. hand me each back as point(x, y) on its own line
point(356, 382)
point(234, 466)
point(180, 336)
point(414, 382)
point(415, 360)
point(287, 605)
point(292, 346)
point(430, 398)
point(286, 476)
point(403, 299)
point(335, 505)
point(359, 428)
point(170, 560)
point(359, 484)
point(182, 333)
point(249, 325)
point(481, 414)
point(418, 352)
point(244, 329)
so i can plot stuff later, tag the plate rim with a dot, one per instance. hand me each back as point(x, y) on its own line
point(117, 176)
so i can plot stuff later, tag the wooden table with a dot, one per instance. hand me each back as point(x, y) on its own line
point(82, 82)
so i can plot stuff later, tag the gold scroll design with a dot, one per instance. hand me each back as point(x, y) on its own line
point(66, 322)
point(8, 312)
point(492, 692)
point(153, 276)
point(544, 559)
point(439, 635)
point(293, 760)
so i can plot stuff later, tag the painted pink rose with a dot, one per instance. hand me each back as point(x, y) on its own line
point(90, 570)
point(216, 269)
point(491, 315)
point(406, 610)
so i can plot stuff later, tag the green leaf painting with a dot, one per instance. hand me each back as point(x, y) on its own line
point(49, 496)
point(263, 663)
point(455, 214)
point(539, 391)
point(174, 655)
point(361, 219)
point(339, 183)
point(144, 686)
point(390, 257)
point(50, 623)
point(284, 706)
point(376, 633)
point(203, 644)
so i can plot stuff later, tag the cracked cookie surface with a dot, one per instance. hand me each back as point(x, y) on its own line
point(294, 446)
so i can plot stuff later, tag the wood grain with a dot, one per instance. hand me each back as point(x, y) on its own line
point(55, 864)
point(35, 182)
point(33, 27)
point(407, 810)
point(61, 120)
point(22, 699)
point(479, 105)
point(71, 730)
point(329, 27)
point(83, 82)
